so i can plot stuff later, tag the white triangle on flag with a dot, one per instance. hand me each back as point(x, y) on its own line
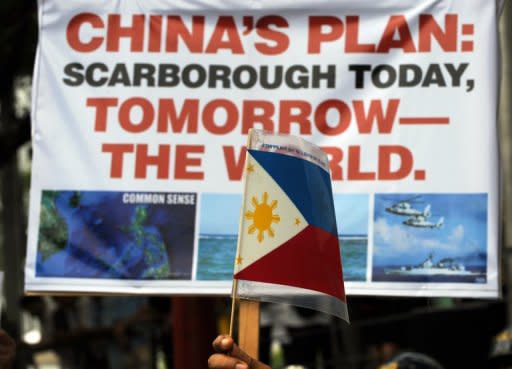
point(269, 217)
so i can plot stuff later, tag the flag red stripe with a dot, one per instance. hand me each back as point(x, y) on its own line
point(310, 260)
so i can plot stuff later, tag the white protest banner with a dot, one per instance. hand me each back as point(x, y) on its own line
point(141, 112)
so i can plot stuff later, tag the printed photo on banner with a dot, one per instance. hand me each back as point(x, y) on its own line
point(352, 215)
point(218, 235)
point(430, 238)
point(116, 235)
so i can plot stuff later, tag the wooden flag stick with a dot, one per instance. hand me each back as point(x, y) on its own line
point(248, 323)
point(249, 311)
point(249, 327)
point(237, 255)
point(233, 307)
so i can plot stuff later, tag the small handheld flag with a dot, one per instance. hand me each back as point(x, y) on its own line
point(288, 249)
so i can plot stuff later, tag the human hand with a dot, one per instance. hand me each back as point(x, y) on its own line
point(229, 356)
point(7, 350)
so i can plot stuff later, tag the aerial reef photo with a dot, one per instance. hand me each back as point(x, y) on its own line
point(430, 238)
point(118, 235)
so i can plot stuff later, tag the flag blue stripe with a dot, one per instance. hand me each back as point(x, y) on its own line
point(307, 185)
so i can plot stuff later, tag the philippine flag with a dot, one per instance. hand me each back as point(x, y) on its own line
point(288, 247)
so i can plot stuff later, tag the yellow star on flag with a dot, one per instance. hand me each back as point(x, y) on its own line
point(238, 260)
point(297, 221)
point(250, 168)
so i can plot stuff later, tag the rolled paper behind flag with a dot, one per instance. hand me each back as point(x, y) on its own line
point(288, 248)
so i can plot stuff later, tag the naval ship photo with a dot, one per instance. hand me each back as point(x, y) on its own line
point(438, 238)
point(444, 267)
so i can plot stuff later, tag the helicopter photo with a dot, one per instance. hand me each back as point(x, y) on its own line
point(420, 221)
point(416, 218)
point(409, 228)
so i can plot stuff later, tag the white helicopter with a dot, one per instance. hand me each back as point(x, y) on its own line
point(405, 208)
point(421, 221)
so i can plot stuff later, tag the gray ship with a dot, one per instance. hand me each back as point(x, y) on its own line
point(445, 267)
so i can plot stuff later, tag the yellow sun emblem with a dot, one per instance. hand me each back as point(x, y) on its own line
point(262, 217)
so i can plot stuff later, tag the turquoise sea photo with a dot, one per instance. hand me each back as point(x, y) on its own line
point(218, 235)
